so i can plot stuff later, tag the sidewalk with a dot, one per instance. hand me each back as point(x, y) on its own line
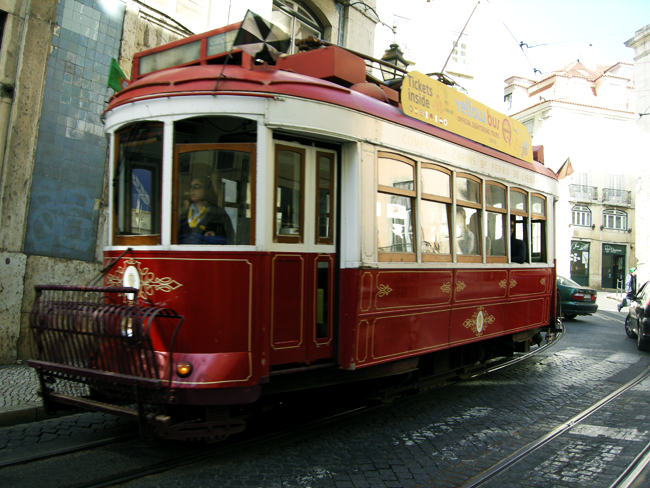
point(607, 300)
point(19, 402)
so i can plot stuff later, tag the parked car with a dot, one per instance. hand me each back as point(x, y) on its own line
point(575, 299)
point(637, 322)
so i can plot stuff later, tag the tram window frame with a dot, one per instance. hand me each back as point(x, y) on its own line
point(477, 230)
point(538, 230)
point(293, 238)
point(395, 192)
point(241, 147)
point(520, 218)
point(499, 213)
point(327, 212)
point(425, 197)
point(126, 239)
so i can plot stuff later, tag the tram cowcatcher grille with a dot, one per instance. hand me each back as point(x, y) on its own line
point(92, 339)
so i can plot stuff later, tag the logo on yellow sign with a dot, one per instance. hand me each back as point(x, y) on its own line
point(439, 105)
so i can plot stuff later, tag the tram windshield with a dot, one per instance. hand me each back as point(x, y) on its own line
point(214, 193)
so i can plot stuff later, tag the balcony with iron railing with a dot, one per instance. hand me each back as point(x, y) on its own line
point(617, 197)
point(583, 193)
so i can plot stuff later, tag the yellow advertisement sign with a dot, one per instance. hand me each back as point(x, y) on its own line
point(437, 104)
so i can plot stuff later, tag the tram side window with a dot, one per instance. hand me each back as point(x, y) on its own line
point(519, 242)
point(468, 218)
point(138, 174)
point(214, 194)
point(324, 195)
point(495, 237)
point(538, 229)
point(435, 209)
point(395, 202)
point(289, 194)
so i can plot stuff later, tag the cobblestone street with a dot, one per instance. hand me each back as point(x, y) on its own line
point(442, 437)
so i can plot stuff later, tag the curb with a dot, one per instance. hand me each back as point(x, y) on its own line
point(26, 413)
point(22, 414)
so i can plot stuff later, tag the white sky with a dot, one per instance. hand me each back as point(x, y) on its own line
point(592, 31)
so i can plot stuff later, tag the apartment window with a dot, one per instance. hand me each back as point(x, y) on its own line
point(296, 20)
point(615, 182)
point(581, 179)
point(615, 219)
point(459, 59)
point(581, 215)
point(528, 124)
point(508, 101)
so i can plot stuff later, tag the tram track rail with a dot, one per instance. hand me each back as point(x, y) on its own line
point(636, 471)
point(66, 450)
point(228, 447)
point(520, 455)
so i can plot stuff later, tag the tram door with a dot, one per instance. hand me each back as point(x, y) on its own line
point(302, 267)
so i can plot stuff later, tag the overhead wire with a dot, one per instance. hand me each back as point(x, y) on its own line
point(573, 40)
point(459, 36)
point(519, 43)
point(368, 7)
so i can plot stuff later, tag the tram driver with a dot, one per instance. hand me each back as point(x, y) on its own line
point(205, 221)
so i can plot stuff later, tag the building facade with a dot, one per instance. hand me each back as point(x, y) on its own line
point(584, 117)
point(641, 45)
point(54, 65)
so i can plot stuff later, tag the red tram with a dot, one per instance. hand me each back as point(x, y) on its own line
point(283, 227)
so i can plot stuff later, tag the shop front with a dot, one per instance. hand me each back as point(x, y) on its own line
point(613, 270)
point(580, 262)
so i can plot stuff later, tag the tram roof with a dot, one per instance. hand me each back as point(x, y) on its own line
point(288, 79)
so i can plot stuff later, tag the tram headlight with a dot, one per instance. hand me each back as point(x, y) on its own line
point(126, 327)
point(184, 369)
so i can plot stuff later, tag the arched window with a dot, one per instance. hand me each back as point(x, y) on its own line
point(468, 218)
point(615, 219)
point(435, 210)
point(395, 203)
point(496, 230)
point(297, 20)
point(581, 215)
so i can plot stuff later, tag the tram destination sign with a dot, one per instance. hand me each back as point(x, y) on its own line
point(439, 105)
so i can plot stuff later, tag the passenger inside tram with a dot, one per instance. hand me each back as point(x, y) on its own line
point(205, 222)
point(464, 236)
point(517, 246)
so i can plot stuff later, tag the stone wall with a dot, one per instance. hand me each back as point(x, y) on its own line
point(53, 189)
point(25, 48)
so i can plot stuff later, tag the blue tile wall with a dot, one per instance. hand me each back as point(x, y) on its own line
point(71, 149)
